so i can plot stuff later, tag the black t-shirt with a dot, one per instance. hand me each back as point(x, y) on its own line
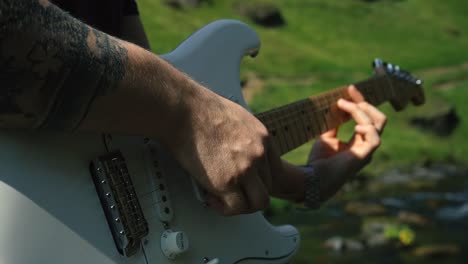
point(105, 15)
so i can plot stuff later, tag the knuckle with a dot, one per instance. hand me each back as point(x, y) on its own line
point(243, 169)
point(353, 107)
point(263, 132)
point(260, 151)
point(363, 105)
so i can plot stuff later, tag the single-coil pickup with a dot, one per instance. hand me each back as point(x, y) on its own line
point(119, 201)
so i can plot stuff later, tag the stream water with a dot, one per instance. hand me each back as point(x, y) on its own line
point(422, 219)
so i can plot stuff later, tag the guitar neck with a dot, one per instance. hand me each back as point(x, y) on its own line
point(294, 124)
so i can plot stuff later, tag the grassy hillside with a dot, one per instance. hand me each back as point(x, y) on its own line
point(329, 43)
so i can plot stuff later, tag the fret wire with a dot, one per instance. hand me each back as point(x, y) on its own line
point(323, 116)
point(333, 108)
point(284, 117)
point(326, 111)
point(294, 128)
point(303, 122)
point(312, 123)
point(290, 124)
point(300, 126)
point(331, 118)
point(295, 139)
point(279, 132)
point(317, 116)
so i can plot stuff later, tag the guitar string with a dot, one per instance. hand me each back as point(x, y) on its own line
point(293, 115)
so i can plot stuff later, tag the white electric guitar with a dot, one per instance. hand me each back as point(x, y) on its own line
point(91, 198)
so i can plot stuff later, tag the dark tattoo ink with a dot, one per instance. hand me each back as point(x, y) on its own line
point(52, 66)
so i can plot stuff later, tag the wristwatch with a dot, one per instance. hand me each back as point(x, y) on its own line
point(312, 188)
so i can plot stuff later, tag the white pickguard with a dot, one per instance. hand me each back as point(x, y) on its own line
point(50, 211)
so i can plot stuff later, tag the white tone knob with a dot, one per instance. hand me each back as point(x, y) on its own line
point(174, 243)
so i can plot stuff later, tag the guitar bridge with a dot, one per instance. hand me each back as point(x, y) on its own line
point(119, 201)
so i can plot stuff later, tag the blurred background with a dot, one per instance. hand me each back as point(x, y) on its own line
point(410, 205)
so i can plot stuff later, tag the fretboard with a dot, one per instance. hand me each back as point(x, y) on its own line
point(294, 124)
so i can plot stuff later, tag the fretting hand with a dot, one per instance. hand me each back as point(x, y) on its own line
point(335, 161)
point(332, 160)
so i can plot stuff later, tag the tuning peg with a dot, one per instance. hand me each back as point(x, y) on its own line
point(397, 68)
point(390, 68)
point(377, 63)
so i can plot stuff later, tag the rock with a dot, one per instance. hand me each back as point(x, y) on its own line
point(178, 4)
point(407, 217)
point(441, 124)
point(393, 202)
point(262, 13)
point(365, 209)
point(395, 176)
point(343, 244)
point(374, 234)
point(436, 251)
point(334, 243)
point(377, 240)
point(426, 173)
point(453, 213)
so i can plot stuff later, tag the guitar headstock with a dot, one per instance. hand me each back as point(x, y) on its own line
point(405, 87)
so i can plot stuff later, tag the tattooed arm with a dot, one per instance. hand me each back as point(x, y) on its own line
point(58, 73)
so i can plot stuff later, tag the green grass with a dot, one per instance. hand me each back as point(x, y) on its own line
point(333, 43)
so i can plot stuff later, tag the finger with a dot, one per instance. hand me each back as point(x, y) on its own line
point(256, 193)
point(355, 95)
point(234, 202)
point(378, 118)
point(355, 111)
point(370, 137)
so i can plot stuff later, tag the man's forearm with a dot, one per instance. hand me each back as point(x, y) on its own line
point(59, 73)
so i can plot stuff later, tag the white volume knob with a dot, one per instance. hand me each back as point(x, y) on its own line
point(174, 243)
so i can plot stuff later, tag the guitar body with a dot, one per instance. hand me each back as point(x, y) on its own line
point(51, 211)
